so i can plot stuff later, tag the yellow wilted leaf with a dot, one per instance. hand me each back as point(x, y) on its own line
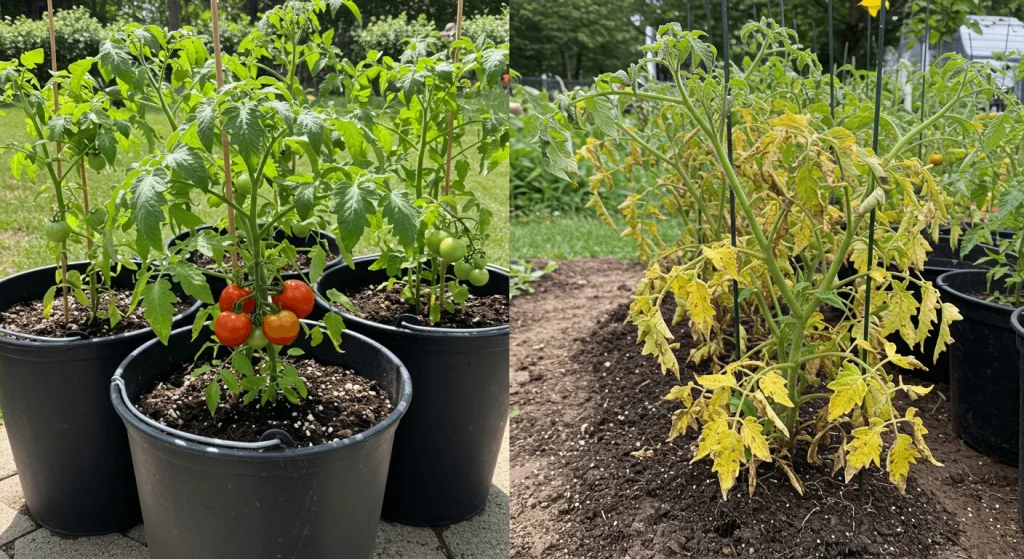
point(865, 448)
point(698, 304)
point(681, 421)
point(723, 258)
point(919, 432)
point(902, 361)
point(681, 394)
point(765, 409)
point(774, 387)
point(950, 314)
point(901, 455)
point(790, 120)
point(754, 440)
point(876, 400)
point(901, 311)
point(712, 382)
point(847, 391)
point(927, 314)
point(727, 452)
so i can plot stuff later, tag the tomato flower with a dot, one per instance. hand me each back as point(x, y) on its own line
point(873, 6)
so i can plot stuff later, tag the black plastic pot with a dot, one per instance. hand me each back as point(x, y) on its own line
point(69, 446)
point(942, 259)
point(447, 448)
point(217, 284)
point(205, 498)
point(983, 367)
point(1017, 323)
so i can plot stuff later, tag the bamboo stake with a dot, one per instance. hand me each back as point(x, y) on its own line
point(60, 148)
point(451, 140)
point(228, 190)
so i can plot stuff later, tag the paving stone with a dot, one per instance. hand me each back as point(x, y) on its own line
point(44, 544)
point(7, 468)
point(137, 533)
point(13, 525)
point(395, 541)
point(484, 536)
point(10, 493)
point(501, 478)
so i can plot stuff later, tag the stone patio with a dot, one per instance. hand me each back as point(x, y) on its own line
point(483, 537)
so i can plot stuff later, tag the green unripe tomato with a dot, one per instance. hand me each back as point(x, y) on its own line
point(452, 249)
point(434, 239)
point(243, 184)
point(257, 340)
point(463, 269)
point(97, 162)
point(214, 202)
point(97, 218)
point(301, 230)
point(479, 277)
point(57, 231)
point(479, 262)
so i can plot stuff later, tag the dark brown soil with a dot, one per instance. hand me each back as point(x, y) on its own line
point(302, 259)
point(584, 400)
point(27, 318)
point(340, 404)
point(384, 307)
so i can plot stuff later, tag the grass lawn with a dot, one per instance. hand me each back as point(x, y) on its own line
point(25, 207)
point(570, 236)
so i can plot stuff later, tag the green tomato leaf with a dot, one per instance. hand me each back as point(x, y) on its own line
point(158, 301)
point(353, 204)
point(403, 217)
point(147, 203)
point(191, 279)
point(213, 396)
point(187, 162)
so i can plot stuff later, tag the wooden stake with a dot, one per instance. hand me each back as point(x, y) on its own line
point(60, 148)
point(228, 190)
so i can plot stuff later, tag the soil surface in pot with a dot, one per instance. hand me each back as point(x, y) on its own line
point(302, 259)
point(27, 317)
point(583, 399)
point(384, 307)
point(340, 404)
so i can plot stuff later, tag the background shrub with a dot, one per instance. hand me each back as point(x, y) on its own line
point(78, 36)
point(483, 28)
point(387, 34)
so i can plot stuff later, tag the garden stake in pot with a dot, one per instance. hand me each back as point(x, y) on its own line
point(59, 193)
point(727, 113)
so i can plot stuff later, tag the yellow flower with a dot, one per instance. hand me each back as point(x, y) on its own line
point(873, 6)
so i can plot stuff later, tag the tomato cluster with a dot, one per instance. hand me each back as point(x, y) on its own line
point(453, 250)
point(234, 326)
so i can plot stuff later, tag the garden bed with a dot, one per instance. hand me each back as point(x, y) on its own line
point(584, 400)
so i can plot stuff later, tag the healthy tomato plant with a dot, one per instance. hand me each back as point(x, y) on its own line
point(432, 226)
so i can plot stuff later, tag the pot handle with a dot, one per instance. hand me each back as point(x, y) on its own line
point(262, 445)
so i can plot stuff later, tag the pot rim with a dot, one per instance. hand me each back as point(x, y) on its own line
point(406, 328)
point(1017, 322)
point(181, 439)
point(943, 283)
point(17, 340)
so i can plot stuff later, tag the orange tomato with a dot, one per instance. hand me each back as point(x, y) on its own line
point(281, 328)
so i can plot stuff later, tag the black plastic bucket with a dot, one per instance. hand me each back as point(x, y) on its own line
point(315, 237)
point(983, 368)
point(204, 498)
point(69, 446)
point(447, 448)
point(1017, 323)
point(942, 259)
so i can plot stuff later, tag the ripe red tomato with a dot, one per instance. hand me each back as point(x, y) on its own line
point(232, 329)
point(297, 297)
point(232, 294)
point(281, 328)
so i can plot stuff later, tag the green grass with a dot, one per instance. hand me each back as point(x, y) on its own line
point(568, 237)
point(25, 206)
